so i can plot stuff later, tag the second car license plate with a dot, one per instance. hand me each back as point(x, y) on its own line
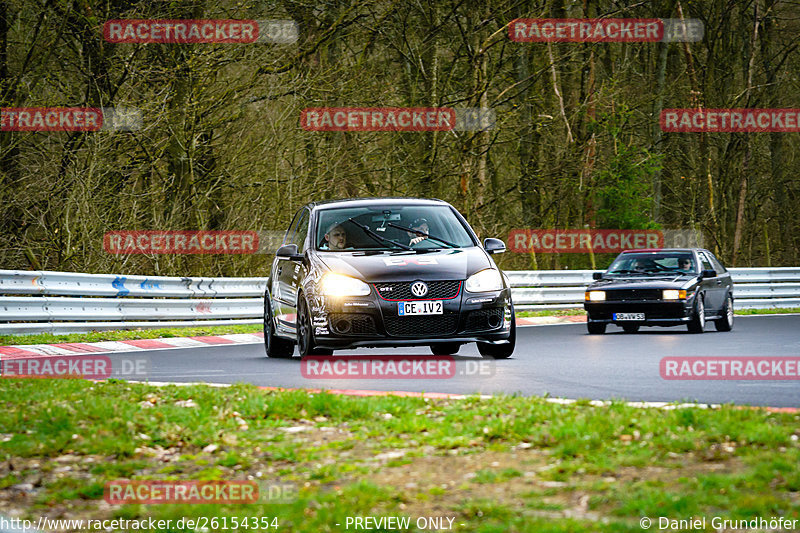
point(429, 307)
point(628, 316)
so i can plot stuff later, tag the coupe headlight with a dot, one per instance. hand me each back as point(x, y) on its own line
point(673, 294)
point(595, 296)
point(336, 285)
point(485, 281)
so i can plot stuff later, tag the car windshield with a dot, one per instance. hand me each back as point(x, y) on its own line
point(390, 227)
point(654, 263)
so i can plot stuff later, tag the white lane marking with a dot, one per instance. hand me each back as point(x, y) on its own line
point(182, 342)
point(243, 338)
point(114, 346)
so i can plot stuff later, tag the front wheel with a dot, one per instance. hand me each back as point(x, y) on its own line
point(501, 351)
point(275, 346)
point(305, 335)
point(697, 323)
point(725, 323)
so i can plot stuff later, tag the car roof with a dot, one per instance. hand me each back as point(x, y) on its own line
point(364, 202)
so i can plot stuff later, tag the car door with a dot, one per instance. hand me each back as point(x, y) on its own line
point(723, 278)
point(289, 273)
point(284, 275)
point(713, 287)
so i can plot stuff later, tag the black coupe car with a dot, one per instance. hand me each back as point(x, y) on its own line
point(386, 272)
point(664, 287)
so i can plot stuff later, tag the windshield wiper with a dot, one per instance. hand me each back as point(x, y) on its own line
point(623, 271)
point(422, 233)
point(378, 237)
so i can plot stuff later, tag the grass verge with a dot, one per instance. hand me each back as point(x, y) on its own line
point(124, 335)
point(502, 464)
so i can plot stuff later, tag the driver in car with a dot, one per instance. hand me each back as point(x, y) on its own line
point(419, 224)
point(335, 238)
point(685, 264)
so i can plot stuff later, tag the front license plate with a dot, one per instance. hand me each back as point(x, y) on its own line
point(430, 307)
point(628, 316)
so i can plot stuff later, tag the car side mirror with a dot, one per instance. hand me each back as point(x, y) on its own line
point(597, 275)
point(289, 251)
point(708, 274)
point(494, 246)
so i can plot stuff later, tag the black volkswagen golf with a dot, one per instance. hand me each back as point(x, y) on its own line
point(386, 272)
point(664, 287)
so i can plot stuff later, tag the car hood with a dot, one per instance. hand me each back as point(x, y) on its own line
point(445, 264)
point(652, 282)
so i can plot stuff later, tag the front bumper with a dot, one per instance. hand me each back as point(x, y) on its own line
point(656, 313)
point(375, 321)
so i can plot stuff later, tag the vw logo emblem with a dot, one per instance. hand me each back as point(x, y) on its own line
point(418, 288)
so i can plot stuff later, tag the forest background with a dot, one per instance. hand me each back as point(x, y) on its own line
point(576, 144)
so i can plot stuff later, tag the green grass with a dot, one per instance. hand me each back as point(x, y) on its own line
point(124, 335)
point(552, 312)
point(507, 463)
point(778, 311)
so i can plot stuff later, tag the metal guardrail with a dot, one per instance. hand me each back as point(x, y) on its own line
point(66, 302)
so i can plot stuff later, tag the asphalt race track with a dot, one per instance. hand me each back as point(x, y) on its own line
point(561, 360)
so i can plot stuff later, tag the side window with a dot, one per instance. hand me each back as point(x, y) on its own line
point(299, 237)
point(705, 262)
point(717, 265)
point(287, 239)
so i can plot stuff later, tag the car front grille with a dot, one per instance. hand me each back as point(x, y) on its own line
point(401, 290)
point(421, 326)
point(484, 319)
point(633, 294)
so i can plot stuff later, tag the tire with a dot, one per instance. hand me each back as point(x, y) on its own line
point(725, 323)
point(305, 335)
point(501, 351)
point(445, 348)
point(697, 324)
point(630, 328)
point(275, 346)
point(596, 328)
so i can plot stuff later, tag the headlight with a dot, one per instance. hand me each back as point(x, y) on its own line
point(595, 296)
point(485, 281)
point(673, 294)
point(338, 285)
